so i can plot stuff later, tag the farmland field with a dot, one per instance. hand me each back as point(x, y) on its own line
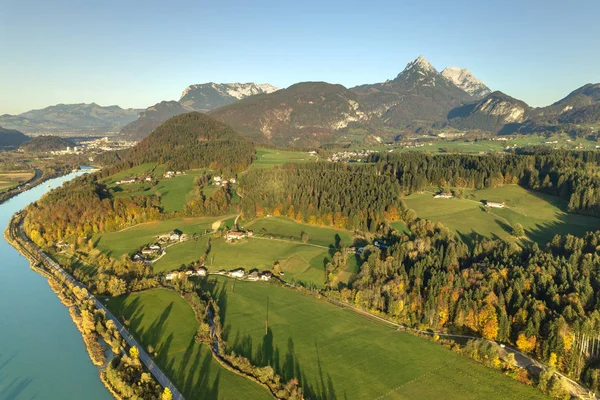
point(289, 229)
point(9, 180)
point(181, 254)
point(162, 319)
point(298, 261)
point(131, 239)
point(267, 158)
point(337, 353)
point(541, 215)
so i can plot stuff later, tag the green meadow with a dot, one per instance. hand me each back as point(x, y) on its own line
point(337, 353)
point(162, 319)
point(268, 158)
point(541, 215)
point(282, 227)
point(131, 239)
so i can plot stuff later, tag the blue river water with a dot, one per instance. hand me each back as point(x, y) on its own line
point(42, 355)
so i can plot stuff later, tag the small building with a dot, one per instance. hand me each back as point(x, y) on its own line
point(62, 245)
point(231, 235)
point(217, 178)
point(232, 180)
point(171, 275)
point(237, 273)
point(175, 235)
point(148, 252)
point(494, 204)
point(249, 233)
point(154, 247)
point(266, 276)
point(148, 179)
point(201, 271)
point(443, 196)
point(138, 257)
point(189, 273)
point(222, 272)
point(253, 276)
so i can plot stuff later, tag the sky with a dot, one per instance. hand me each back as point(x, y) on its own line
point(135, 54)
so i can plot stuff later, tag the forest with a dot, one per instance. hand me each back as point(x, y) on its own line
point(571, 175)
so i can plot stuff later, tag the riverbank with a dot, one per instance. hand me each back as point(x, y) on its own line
point(92, 312)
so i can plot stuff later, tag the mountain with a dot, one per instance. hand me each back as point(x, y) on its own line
point(208, 96)
point(46, 143)
point(151, 118)
point(193, 140)
point(71, 118)
point(418, 95)
point(578, 107)
point(305, 114)
point(497, 112)
point(464, 79)
point(12, 138)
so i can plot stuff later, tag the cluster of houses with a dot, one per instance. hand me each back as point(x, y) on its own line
point(494, 204)
point(219, 181)
point(134, 180)
point(170, 174)
point(239, 273)
point(357, 156)
point(201, 271)
point(253, 276)
point(237, 235)
point(150, 252)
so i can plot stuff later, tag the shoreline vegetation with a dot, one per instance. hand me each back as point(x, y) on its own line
point(123, 375)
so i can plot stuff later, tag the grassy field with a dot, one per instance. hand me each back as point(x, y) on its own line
point(162, 319)
point(131, 239)
point(298, 261)
point(268, 158)
point(541, 215)
point(8, 180)
point(182, 254)
point(282, 227)
point(337, 353)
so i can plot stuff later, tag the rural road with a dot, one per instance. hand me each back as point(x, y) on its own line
point(131, 341)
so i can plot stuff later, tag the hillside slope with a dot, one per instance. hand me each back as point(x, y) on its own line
point(193, 140)
point(46, 143)
point(304, 114)
point(151, 118)
point(12, 138)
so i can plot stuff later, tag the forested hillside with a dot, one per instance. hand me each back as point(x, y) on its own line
point(12, 138)
point(193, 140)
point(46, 143)
point(323, 193)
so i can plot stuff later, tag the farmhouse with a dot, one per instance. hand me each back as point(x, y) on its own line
point(138, 257)
point(62, 245)
point(148, 252)
point(201, 271)
point(126, 181)
point(494, 204)
point(175, 235)
point(231, 235)
point(171, 275)
point(253, 276)
point(237, 273)
point(443, 196)
point(266, 276)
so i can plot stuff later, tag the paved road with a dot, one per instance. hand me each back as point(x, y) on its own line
point(144, 357)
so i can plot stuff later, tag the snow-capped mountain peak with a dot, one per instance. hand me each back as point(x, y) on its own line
point(208, 96)
point(464, 79)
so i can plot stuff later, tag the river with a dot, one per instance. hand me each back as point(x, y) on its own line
point(42, 355)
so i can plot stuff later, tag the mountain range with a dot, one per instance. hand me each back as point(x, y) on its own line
point(420, 99)
point(71, 118)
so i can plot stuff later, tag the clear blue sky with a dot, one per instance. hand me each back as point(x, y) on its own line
point(135, 54)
